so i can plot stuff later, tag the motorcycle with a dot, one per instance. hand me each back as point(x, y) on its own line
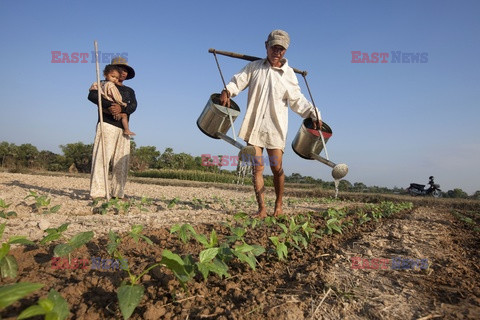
point(416, 189)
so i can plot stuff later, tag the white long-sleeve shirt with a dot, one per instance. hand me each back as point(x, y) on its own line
point(270, 91)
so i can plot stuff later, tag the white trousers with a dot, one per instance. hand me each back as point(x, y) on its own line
point(117, 149)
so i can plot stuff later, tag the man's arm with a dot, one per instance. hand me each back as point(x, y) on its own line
point(237, 84)
point(298, 103)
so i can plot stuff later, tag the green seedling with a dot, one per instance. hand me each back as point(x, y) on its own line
point(333, 224)
point(74, 243)
point(116, 204)
point(136, 234)
point(42, 203)
point(208, 262)
point(280, 247)
point(54, 233)
point(52, 307)
point(114, 241)
point(183, 269)
point(199, 203)
point(3, 207)
point(11, 293)
point(185, 231)
point(292, 236)
point(8, 263)
point(247, 253)
point(173, 202)
point(130, 294)
point(144, 202)
point(245, 220)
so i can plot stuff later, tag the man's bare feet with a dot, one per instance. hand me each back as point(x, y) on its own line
point(278, 210)
point(261, 213)
point(128, 133)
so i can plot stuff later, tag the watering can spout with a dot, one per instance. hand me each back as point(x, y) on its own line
point(339, 170)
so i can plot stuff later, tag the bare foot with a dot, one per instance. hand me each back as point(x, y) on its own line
point(261, 213)
point(128, 133)
point(278, 210)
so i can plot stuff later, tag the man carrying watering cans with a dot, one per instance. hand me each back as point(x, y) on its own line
point(272, 87)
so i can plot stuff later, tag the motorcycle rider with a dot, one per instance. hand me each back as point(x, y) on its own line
point(431, 182)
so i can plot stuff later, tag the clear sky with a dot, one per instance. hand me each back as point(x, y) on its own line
point(393, 123)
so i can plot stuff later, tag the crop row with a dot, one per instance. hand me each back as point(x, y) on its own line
point(214, 259)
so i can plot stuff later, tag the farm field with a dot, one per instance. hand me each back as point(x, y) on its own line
point(347, 258)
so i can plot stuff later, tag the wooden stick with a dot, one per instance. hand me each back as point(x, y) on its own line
point(316, 309)
point(248, 58)
point(100, 115)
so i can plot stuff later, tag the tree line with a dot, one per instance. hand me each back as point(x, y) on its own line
point(77, 157)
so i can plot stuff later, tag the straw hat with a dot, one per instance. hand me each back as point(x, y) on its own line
point(120, 61)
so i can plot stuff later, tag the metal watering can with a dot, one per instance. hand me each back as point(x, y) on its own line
point(215, 122)
point(308, 143)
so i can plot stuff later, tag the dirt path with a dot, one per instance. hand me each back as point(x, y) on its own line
point(317, 283)
point(447, 289)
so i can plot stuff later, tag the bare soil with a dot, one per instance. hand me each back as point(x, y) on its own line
point(316, 283)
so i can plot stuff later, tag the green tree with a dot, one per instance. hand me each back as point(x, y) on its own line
point(359, 186)
point(50, 161)
point(144, 158)
point(344, 185)
point(26, 155)
point(8, 153)
point(80, 154)
point(476, 195)
point(457, 193)
point(184, 161)
point(166, 160)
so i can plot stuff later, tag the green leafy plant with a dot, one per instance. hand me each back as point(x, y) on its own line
point(42, 203)
point(183, 269)
point(136, 234)
point(115, 204)
point(3, 207)
point(8, 263)
point(280, 247)
point(54, 233)
point(185, 231)
point(299, 231)
point(334, 219)
point(11, 293)
point(199, 203)
point(143, 202)
point(52, 307)
point(173, 202)
point(74, 243)
point(130, 294)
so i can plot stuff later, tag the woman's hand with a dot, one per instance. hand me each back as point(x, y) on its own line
point(115, 109)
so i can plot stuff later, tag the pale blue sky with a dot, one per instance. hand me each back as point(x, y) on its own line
point(393, 123)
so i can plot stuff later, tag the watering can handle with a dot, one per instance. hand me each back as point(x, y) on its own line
point(318, 118)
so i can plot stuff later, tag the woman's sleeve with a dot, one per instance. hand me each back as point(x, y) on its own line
point(131, 102)
point(93, 97)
